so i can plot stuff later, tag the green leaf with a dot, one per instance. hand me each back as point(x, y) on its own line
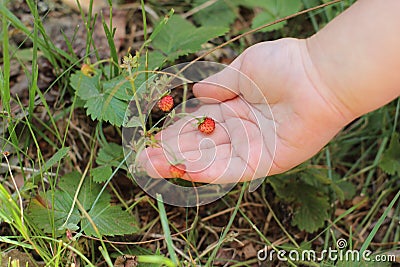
point(179, 37)
point(161, 25)
point(279, 183)
point(110, 220)
point(273, 10)
point(312, 208)
point(220, 13)
point(390, 162)
point(101, 173)
point(86, 87)
point(105, 101)
point(110, 154)
point(315, 177)
point(52, 217)
point(107, 108)
point(88, 191)
point(344, 190)
point(119, 87)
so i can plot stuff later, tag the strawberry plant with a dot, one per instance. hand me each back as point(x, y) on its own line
point(225, 12)
point(222, 13)
point(310, 193)
point(64, 178)
point(272, 10)
point(390, 161)
point(89, 211)
point(106, 97)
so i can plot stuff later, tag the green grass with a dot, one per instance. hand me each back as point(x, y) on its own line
point(44, 144)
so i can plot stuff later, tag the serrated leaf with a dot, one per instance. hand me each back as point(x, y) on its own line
point(312, 209)
point(110, 154)
point(390, 161)
point(86, 87)
point(273, 10)
point(310, 206)
point(161, 25)
point(119, 87)
point(179, 37)
point(344, 190)
point(280, 183)
point(52, 215)
point(220, 13)
point(101, 174)
point(107, 108)
point(110, 220)
point(88, 191)
point(102, 103)
point(315, 177)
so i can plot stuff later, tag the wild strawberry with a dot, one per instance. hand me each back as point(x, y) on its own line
point(206, 125)
point(177, 171)
point(166, 103)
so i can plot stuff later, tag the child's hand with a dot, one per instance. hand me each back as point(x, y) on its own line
point(247, 142)
point(314, 87)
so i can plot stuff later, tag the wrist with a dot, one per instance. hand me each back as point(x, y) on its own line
point(324, 86)
point(357, 69)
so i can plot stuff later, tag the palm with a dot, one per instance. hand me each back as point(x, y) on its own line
point(231, 153)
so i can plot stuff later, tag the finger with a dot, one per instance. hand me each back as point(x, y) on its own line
point(177, 147)
point(223, 171)
point(221, 86)
point(189, 123)
point(195, 161)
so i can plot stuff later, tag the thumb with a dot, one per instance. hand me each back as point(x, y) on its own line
point(221, 86)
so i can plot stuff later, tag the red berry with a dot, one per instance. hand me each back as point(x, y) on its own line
point(177, 171)
point(166, 103)
point(206, 125)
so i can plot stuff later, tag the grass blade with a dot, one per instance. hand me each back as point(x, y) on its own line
point(111, 44)
point(228, 227)
point(379, 223)
point(167, 232)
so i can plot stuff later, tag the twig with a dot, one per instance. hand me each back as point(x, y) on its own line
point(198, 8)
point(229, 210)
point(25, 169)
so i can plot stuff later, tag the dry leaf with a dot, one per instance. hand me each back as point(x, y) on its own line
point(126, 261)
